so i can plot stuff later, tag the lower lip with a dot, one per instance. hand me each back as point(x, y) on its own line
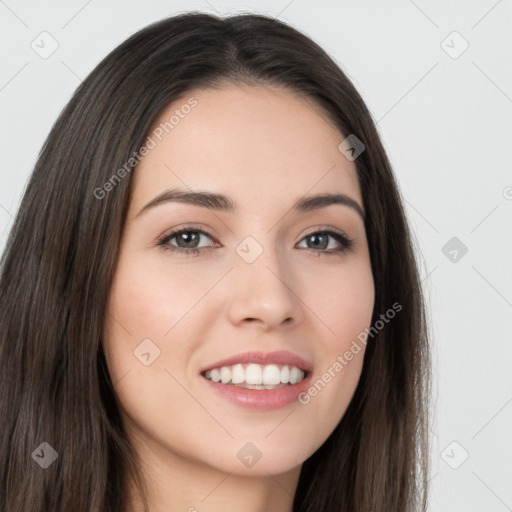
point(262, 399)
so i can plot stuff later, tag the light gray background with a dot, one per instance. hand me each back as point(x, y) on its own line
point(445, 121)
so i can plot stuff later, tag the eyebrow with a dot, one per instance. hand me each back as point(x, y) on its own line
point(223, 203)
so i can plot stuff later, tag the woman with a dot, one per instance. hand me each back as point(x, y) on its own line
point(283, 364)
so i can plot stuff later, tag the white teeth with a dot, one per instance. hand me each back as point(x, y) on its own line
point(263, 386)
point(215, 375)
point(237, 374)
point(294, 375)
point(285, 374)
point(271, 375)
point(256, 376)
point(225, 375)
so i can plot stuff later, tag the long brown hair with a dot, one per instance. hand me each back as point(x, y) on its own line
point(60, 257)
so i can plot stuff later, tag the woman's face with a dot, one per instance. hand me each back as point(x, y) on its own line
point(268, 288)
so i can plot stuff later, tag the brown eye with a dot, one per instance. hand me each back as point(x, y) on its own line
point(319, 241)
point(187, 240)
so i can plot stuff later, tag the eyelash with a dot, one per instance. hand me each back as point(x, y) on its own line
point(341, 238)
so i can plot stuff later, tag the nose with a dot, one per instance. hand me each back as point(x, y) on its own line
point(263, 292)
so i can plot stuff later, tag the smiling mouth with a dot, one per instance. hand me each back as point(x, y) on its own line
point(256, 376)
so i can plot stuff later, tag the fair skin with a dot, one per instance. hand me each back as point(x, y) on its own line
point(265, 148)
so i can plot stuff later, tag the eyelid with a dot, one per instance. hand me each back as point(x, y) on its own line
point(185, 228)
point(169, 235)
point(192, 227)
point(324, 228)
point(342, 239)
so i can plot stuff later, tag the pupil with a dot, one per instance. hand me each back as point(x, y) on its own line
point(316, 237)
point(187, 235)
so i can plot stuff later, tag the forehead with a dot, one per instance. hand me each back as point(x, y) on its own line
point(257, 144)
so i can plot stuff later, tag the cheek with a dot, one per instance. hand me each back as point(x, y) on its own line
point(345, 307)
point(151, 328)
point(136, 322)
point(142, 355)
point(343, 299)
point(148, 301)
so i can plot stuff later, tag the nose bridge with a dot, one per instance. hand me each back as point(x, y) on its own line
point(263, 287)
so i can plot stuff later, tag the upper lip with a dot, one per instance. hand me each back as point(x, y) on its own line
point(258, 357)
